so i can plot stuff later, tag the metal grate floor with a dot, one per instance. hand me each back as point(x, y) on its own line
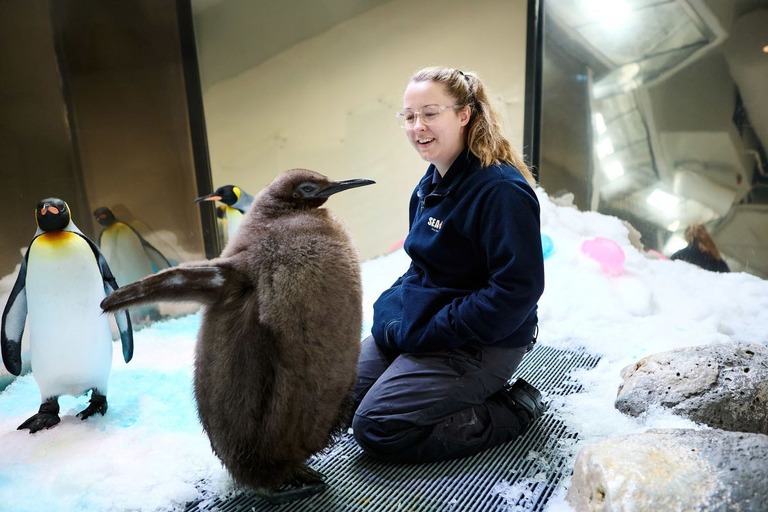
point(517, 476)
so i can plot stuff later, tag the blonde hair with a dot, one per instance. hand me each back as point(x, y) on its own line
point(698, 234)
point(484, 137)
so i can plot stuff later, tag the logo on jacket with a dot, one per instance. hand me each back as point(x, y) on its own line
point(435, 224)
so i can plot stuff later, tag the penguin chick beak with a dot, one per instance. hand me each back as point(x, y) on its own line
point(209, 197)
point(339, 186)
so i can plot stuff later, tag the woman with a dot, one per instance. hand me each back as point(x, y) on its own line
point(701, 250)
point(449, 333)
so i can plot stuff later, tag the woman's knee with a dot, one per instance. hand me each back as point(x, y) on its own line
point(386, 439)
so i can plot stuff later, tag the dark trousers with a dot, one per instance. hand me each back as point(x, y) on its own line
point(434, 406)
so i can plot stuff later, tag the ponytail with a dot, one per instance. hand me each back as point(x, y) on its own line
point(698, 234)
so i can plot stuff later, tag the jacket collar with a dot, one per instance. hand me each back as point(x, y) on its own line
point(459, 168)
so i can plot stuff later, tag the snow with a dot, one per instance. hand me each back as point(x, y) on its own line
point(149, 452)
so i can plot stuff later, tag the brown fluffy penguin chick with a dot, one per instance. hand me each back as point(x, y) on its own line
point(279, 339)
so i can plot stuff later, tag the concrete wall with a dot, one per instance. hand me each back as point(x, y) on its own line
point(327, 103)
point(35, 154)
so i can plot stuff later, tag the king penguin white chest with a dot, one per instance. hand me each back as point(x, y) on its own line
point(125, 254)
point(234, 218)
point(70, 338)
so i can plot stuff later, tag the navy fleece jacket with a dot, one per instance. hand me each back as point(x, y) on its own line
point(477, 270)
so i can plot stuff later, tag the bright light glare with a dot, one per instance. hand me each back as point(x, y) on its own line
point(613, 170)
point(662, 200)
point(674, 226)
point(600, 123)
point(610, 13)
point(604, 147)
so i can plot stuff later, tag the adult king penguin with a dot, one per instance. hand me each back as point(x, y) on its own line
point(62, 279)
point(129, 255)
point(277, 350)
point(236, 202)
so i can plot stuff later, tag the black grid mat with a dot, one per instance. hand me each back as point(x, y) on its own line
point(520, 475)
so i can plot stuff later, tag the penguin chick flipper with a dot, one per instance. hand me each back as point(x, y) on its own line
point(46, 417)
point(202, 284)
point(98, 404)
point(304, 482)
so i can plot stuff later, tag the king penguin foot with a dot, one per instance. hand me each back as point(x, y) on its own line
point(46, 417)
point(98, 404)
point(304, 483)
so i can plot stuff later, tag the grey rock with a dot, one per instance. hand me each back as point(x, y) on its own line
point(673, 470)
point(720, 385)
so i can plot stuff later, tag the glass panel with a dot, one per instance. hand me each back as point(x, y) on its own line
point(670, 95)
point(93, 110)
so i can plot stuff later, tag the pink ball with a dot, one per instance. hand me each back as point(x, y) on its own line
point(607, 253)
point(653, 253)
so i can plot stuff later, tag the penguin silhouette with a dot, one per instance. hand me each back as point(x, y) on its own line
point(236, 203)
point(62, 279)
point(129, 255)
point(277, 350)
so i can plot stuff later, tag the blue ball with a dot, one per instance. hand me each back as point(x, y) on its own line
point(546, 246)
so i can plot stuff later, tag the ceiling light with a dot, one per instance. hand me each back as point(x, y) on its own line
point(610, 13)
point(662, 200)
point(600, 123)
point(604, 147)
point(765, 49)
point(613, 170)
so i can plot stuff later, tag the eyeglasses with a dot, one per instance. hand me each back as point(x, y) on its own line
point(428, 114)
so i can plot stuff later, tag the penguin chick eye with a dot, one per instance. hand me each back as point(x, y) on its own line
point(306, 190)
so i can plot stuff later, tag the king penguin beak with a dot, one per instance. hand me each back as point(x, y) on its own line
point(339, 186)
point(209, 197)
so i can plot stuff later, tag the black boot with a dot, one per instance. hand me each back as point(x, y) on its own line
point(523, 396)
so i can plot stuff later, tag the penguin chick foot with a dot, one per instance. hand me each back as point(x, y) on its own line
point(46, 417)
point(304, 483)
point(98, 404)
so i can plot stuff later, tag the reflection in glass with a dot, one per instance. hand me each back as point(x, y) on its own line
point(93, 110)
point(670, 95)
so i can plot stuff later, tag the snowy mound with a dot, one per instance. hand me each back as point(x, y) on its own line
point(149, 451)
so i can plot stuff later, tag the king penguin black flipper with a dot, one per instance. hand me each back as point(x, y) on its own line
point(62, 279)
point(277, 350)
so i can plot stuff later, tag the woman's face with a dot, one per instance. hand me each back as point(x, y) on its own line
point(440, 141)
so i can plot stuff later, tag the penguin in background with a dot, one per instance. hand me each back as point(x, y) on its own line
point(62, 279)
point(221, 221)
point(276, 354)
point(130, 256)
point(236, 203)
